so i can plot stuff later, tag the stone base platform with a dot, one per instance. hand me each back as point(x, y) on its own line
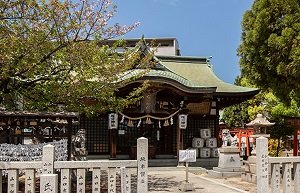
point(218, 172)
point(248, 177)
point(185, 187)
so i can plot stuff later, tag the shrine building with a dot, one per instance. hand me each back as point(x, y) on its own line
point(184, 99)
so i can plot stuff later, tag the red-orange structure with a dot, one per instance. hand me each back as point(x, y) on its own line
point(295, 122)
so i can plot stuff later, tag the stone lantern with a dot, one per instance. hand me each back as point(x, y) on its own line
point(259, 124)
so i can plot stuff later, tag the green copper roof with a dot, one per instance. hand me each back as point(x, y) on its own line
point(171, 78)
point(199, 72)
point(190, 74)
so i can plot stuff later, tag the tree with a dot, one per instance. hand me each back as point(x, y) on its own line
point(268, 104)
point(50, 54)
point(270, 48)
point(238, 115)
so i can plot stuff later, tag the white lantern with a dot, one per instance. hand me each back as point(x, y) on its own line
point(113, 121)
point(182, 121)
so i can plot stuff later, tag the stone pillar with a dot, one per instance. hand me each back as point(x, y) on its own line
point(29, 180)
point(49, 183)
point(296, 177)
point(262, 165)
point(12, 181)
point(48, 159)
point(96, 182)
point(142, 158)
point(65, 183)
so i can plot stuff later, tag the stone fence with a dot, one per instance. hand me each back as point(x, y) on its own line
point(50, 181)
point(276, 173)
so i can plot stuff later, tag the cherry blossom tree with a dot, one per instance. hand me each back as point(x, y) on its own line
point(50, 54)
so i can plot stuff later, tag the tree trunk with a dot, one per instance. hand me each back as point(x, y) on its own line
point(278, 147)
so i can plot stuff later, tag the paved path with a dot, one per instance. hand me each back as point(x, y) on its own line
point(166, 180)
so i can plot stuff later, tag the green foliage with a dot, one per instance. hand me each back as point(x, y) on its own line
point(240, 114)
point(275, 147)
point(236, 115)
point(50, 54)
point(270, 48)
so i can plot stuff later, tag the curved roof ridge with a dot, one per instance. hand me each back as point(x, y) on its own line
point(201, 73)
point(169, 78)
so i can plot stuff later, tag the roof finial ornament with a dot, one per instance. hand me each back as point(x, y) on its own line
point(208, 59)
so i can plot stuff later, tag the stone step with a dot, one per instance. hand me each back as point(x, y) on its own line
point(217, 174)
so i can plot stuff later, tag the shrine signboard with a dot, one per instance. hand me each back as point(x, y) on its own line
point(188, 155)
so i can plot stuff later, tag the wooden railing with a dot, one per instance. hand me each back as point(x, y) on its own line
point(49, 176)
point(284, 172)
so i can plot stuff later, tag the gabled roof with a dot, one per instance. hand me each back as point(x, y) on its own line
point(198, 70)
point(189, 74)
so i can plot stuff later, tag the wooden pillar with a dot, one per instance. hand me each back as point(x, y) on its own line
point(113, 143)
point(296, 146)
point(177, 142)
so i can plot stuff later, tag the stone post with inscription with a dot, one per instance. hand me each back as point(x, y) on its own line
point(48, 159)
point(142, 159)
point(296, 168)
point(262, 162)
point(49, 180)
point(12, 181)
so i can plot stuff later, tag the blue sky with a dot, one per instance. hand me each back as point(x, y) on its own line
point(202, 27)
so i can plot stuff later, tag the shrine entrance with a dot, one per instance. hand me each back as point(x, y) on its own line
point(162, 140)
point(166, 145)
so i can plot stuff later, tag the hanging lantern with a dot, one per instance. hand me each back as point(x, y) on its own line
point(182, 121)
point(166, 123)
point(159, 124)
point(113, 121)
